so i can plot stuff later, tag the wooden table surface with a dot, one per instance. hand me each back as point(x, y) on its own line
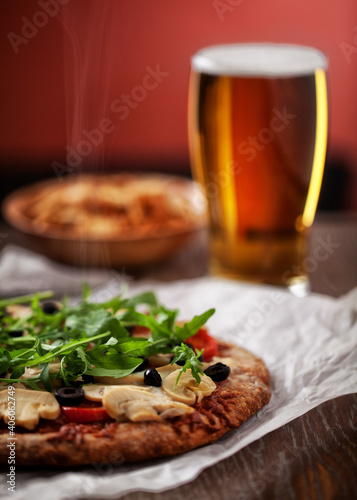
point(312, 457)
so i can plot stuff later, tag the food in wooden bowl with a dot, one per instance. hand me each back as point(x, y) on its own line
point(109, 220)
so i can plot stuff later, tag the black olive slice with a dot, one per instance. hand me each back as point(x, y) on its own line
point(15, 333)
point(218, 372)
point(152, 377)
point(50, 307)
point(69, 396)
point(130, 329)
point(86, 379)
point(143, 365)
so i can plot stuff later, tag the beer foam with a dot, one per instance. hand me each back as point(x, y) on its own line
point(258, 59)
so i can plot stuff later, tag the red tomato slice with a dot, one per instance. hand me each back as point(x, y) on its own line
point(203, 340)
point(141, 331)
point(81, 415)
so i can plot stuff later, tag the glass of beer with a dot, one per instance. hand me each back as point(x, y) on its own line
point(258, 133)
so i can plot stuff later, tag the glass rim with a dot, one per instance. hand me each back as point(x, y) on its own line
point(259, 60)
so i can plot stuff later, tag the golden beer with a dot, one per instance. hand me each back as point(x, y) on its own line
point(258, 131)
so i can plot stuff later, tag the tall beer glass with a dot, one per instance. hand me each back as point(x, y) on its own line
point(258, 132)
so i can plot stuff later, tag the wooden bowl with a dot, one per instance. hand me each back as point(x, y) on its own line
point(134, 247)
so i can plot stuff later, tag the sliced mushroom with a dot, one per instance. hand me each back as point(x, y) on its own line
point(156, 360)
point(30, 406)
point(55, 367)
point(96, 392)
point(139, 404)
point(139, 411)
point(167, 369)
point(187, 389)
point(18, 311)
point(32, 371)
point(17, 385)
point(136, 378)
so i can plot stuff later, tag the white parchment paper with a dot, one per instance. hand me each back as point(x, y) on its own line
point(309, 345)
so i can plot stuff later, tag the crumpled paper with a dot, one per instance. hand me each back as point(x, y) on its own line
point(23, 271)
point(308, 345)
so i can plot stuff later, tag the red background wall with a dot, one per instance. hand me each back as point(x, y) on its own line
point(135, 35)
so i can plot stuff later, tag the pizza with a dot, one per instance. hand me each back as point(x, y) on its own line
point(120, 381)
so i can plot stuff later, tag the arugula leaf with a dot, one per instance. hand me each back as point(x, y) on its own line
point(17, 372)
point(18, 355)
point(167, 317)
point(16, 342)
point(94, 322)
point(73, 365)
point(146, 298)
point(186, 354)
point(143, 347)
point(92, 338)
point(136, 318)
point(86, 291)
point(5, 359)
point(61, 350)
point(192, 327)
point(24, 354)
point(45, 376)
point(30, 381)
point(111, 363)
point(23, 299)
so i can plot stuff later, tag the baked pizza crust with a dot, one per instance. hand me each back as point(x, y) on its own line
point(235, 400)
